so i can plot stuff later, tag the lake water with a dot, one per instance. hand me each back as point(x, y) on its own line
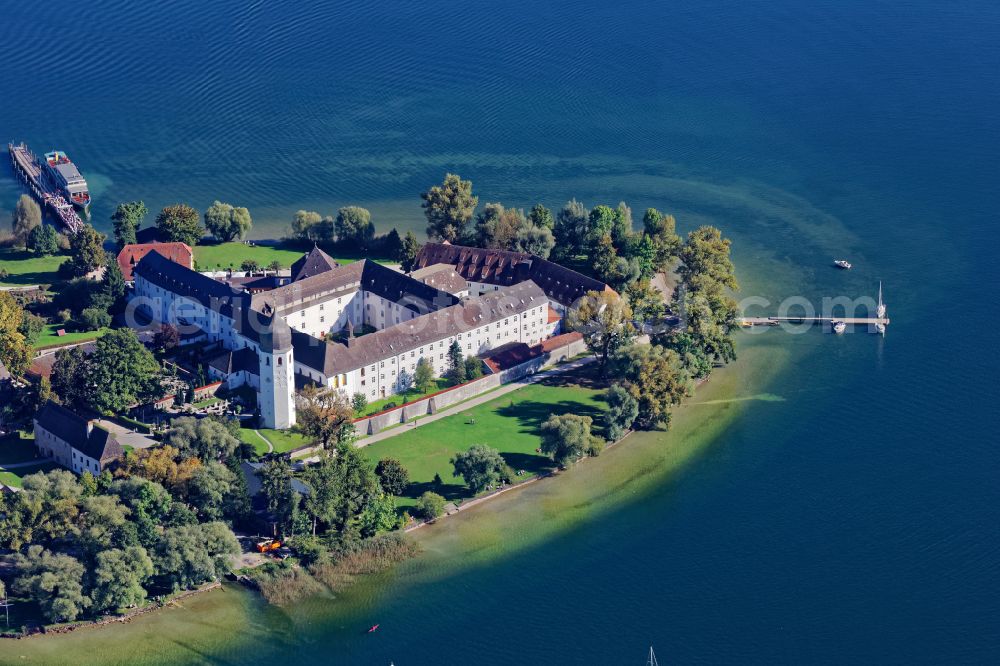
point(826, 500)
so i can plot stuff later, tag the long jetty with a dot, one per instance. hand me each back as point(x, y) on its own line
point(850, 321)
point(29, 170)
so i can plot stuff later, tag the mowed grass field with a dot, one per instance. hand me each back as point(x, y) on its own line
point(510, 424)
point(282, 440)
point(26, 268)
point(224, 255)
point(13, 477)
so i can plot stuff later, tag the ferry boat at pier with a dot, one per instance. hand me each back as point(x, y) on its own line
point(67, 178)
point(30, 170)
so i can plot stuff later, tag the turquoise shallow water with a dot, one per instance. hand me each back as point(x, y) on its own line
point(852, 520)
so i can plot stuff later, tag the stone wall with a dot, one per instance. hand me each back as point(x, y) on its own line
point(450, 396)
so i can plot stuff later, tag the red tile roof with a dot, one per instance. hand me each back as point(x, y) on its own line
point(132, 254)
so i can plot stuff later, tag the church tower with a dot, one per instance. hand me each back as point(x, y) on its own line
point(277, 376)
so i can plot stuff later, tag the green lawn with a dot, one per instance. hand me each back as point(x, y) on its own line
point(412, 395)
point(24, 267)
point(48, 337)
point(216, 257)
point(282, 440)
point(224, 255)
point(206, 403)
point(17, 448)
point(426, 450)
point(13, 477)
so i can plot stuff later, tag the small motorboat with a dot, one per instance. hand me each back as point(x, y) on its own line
point(842, 263)
point(839, 327)
point(373, 629)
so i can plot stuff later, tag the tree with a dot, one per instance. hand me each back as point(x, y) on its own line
point(571, 231)
point(27, 215)
point(127, 219)
point(119, 578)
point(391, 244)
point(378, 515)
point(601, 224)
point(31, 326)
point(276, 485)
point(71, 379)
point(423, 376)
point(405, 381)
point(227, 223)
point(430, 505)
point(408, 253)
point(498, 228)
point(323, 414)
point(250, 265)
point(480, 466)
point(662, 229)
point(536, 240)
point(206, 439)
point(392, 476)
point(473, 368)
point(43, 240)
point(86, 248)
point(568, 438)
point(303, 222)
point(54, 581)
point(167, 337)
point(14, 350)
point(114, 283)
point(45, 511)
point(94, 319)
point(705, 256)
point(646, 301)
point(622, 411)
point(655, 376)
point(189, 555)
point(211, 492)
point(123, 372)
point(341, 484)
point(605, 320)
point(149, 505)
point(359, 402)
point(354, 226)
point(449, 208)
point(456, 363)
point(162, 465)
point(541, 217)
point(180, 223)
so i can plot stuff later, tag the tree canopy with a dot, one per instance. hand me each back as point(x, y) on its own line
point(448, 208)
point(26, 216)
point(480, 466)
point(86, 248)
point(324, 414)
point(180, 223)
point(605, 320)
point(354, 226)
point(122, 372)
point(127, 219)
point(206, 439)
point(43, 240)
point(227, 223)
point(15, 352)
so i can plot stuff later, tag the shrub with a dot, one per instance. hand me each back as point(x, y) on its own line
point(95, 318)
point(64, 316)
point(430, 505)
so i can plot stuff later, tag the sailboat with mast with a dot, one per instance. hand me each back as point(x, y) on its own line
point(652, 658)
point(880, 311)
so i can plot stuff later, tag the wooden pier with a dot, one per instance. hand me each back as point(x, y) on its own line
point(850, 321)
point(29, 170)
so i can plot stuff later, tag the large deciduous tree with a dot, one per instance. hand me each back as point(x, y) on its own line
point(623, 409)
point(43, 240)
point(189, 555)
point(227, 223)
point(27, 215)
point(571, 231)
point(354, 226)
point(423, 376)
point(206, 439)
point(392, 476)
point(567, 438)
point(86, 249)
point(180, 223)
point(605, 320)
point(15, 353)
point(123, 372)
point(449, 208)
point(480, 466)
point(303, 222)
point(127, 219)
point(408, 253)
point(656, 377)
point(119, 577)
point(54, 581)
point(324, 414)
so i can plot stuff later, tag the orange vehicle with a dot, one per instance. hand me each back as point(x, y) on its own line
point(268, 545)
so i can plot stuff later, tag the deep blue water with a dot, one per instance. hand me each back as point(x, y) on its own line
point(854, 522)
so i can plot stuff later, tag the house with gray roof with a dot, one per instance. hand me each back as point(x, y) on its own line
point(73, 441)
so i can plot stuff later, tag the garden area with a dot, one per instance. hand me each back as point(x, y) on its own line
point(283, 441)
point(19, 267)
point(509, 423)
point(410, 395)
point(220, 256)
